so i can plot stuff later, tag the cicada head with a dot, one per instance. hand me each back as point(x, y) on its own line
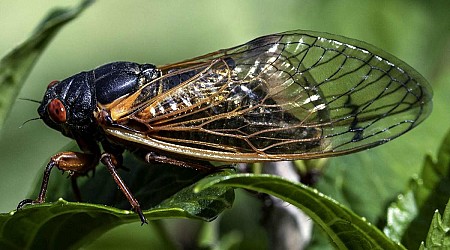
point(68, 105)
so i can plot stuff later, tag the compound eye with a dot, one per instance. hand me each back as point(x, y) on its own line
point(56, 111)
point(52, 83)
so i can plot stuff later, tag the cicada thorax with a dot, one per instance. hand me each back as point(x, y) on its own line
point(173, 95)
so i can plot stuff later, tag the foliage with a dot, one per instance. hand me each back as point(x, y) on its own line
point(179, 193)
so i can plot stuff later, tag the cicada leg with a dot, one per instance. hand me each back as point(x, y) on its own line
point(112, 165)
point(201, 166)
point(75, 188)
point(206, 167)
point(73, 162)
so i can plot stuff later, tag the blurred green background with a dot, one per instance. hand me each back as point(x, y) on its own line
point(162, 32)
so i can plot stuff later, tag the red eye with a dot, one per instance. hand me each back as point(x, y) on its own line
point(52, 83)
point(56, 111)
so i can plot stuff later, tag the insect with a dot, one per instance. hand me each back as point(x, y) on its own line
point(286, 96)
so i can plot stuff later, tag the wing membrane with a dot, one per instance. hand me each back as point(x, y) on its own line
point(292, 95)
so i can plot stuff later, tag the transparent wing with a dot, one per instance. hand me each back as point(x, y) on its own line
point(293, 95)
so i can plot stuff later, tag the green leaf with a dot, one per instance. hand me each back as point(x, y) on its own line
point(439, 233)
point(399, 215)
point(17, 64)
point(345, 229)
point(62, 224)
point(429, 191)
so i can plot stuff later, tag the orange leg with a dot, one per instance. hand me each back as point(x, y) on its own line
point(73, 162)
point(80, 163)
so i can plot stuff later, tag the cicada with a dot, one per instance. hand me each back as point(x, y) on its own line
point(286, 96)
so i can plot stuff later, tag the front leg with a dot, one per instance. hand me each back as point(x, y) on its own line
point(74, 162)
point(79, 163)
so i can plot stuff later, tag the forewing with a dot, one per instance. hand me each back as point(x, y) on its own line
point(293, 95)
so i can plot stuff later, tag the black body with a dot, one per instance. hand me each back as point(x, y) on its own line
point(80, 94)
